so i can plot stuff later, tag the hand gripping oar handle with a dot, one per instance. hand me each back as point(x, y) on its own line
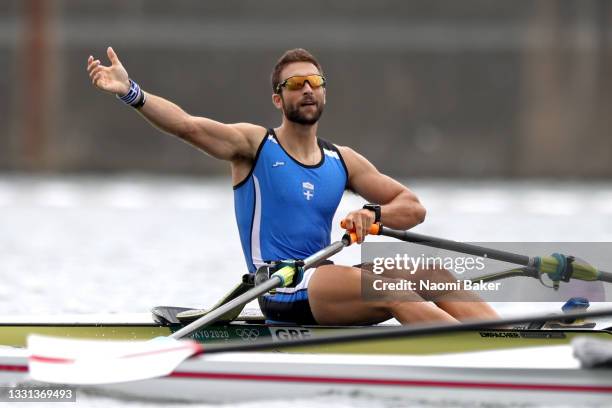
point(373, 230)
point(282, 277)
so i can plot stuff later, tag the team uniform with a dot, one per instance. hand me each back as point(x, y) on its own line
point(284, 210)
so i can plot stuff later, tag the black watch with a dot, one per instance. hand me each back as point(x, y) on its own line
point(376, 209)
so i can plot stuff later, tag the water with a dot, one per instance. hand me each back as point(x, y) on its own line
point(126, 243)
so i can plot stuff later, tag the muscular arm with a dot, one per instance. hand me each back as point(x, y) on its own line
point(400, 207)
point(222, 141)
point(232, 142)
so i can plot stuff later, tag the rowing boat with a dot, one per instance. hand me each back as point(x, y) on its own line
point(472, 361)
point(517, 364)
point(520, 365)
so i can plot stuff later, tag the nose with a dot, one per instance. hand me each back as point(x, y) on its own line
point(307, 88)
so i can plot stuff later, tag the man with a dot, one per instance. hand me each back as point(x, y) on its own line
point(287, 186)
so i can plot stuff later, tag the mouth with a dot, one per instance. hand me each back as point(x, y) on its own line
point(308, 102)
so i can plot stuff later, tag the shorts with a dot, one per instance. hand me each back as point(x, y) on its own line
point(290, 305)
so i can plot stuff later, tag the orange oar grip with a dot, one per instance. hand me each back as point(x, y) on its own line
point(374, 228)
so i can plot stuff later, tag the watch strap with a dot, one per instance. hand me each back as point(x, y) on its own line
point(374, 208)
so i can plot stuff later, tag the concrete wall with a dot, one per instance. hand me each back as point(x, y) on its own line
point(474, 88)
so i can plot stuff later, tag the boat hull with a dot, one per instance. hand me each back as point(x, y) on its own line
point(474, 365)
point(531, 375)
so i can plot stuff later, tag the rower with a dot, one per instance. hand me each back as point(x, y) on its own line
point(288, 183)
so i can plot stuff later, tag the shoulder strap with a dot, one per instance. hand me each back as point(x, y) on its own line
point(261, 145)
point(328, 145)
point(333, 148)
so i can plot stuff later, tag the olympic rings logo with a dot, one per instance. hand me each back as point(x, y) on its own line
point(248, 334)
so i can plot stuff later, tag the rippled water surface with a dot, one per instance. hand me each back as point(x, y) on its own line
point(125, 244)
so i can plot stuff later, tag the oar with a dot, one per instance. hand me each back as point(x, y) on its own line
point(282, 277)
point(89, 363)
point(554, 266)
point(85, 362)
point(68, 361)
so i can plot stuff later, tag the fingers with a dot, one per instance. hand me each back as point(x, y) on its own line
point(347, 223)
point(92, 64)
point(96, 78)
point(112, 56)
point(96, 73)
point(359, 221)
point(94, 69)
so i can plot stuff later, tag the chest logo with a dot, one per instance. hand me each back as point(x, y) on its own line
point(278, 163)
point(308, 190)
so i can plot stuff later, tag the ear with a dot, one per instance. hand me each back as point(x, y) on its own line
point(277, 101)
point(324, 94)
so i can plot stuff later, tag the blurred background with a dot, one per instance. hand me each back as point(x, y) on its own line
point(430, 88)
point(496, 113)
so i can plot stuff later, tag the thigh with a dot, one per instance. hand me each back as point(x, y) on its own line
point(335, 297)
point(461, 304)
point(428, 274)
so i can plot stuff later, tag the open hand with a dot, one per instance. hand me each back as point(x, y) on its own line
point(112, 79)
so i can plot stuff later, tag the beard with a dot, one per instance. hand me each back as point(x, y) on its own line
point(294, 114)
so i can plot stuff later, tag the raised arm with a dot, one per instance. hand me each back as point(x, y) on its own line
point(400, 207)
point(222, 141)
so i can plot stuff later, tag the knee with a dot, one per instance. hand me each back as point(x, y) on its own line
point(396, 306)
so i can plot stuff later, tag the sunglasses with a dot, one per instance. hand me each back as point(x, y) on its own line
point(297, 82)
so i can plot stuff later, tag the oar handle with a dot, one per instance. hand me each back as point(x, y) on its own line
point(373, 230)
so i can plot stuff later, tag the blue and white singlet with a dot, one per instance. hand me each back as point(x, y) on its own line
point(284, 209)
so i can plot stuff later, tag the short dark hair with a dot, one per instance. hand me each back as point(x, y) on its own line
point(290, 56)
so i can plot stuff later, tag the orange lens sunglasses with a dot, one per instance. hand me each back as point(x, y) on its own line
point(297, 82)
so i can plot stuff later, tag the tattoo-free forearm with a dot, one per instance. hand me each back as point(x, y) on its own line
point(166, 116)
point(403, 212)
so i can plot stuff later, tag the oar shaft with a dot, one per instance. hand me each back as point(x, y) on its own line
point(259, 290)
point(326, 252)
point(212, 316)
point(510, 273)
point(384, 333)
point(605, 276)
point(457, 246)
